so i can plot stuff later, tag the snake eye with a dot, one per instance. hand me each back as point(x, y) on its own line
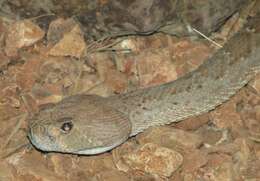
point(66, 126)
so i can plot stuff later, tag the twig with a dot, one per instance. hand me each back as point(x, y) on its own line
point(91, 48)
point(40, 16)
point(14, 150)
point(207, 38)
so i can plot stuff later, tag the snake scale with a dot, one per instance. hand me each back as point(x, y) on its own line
point(89, 124)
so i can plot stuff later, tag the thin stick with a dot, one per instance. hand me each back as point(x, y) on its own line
point(40, 16)
point(207, 38)
point(10, 152)
point(105, 47)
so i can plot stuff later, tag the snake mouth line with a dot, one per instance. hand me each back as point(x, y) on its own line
point(31, 137)
point(99, 150)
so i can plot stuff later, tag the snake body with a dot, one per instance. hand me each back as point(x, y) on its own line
point(89, 124)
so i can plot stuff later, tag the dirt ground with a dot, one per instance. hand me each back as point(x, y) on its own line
point(43, 64)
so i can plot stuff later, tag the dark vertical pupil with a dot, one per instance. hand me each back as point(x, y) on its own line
point(66, 127)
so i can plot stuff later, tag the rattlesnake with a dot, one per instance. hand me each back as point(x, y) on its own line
point(89, 124)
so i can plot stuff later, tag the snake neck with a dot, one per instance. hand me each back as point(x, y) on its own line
point(213, 83)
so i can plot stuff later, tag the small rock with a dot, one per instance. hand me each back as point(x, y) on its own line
point(255, 83)
point(58, 28)
point(216, 159)
point(4, 61)
point(193, 160)
point(243, 155)
point(133, 44)
point(79, 168)
point(128, 60)
point(188, 55)
point(257, 112)
point(177, 176)
point(8, 96)
point(230, 27)
point(87, 82)
point(155, 67)
point(159, 59)
point(189, 177)
point(101, 89)
point(58, 75)
point(62, 164)
point(8, 120)
point(118, 153)
point(258, 154)
point(224, 172)
point(229, 148)
point(95, 164)
point(111, 175)
point(101, 62)
point(137, 44)
point(126, 63)
point(249, 96)
point(246, 111)
point(4, 23)
point(151, 158)
point(107, 72)
point(72, 44)
point(170, 137)
point(26, 78)
point(219, 167)
point(6, 172)
point(192, 123)
point(253, 129)
point(22, 34)
point(34, 166)
point(116, 80)
point(225, 116)
point(212, 136)
point(251, 173)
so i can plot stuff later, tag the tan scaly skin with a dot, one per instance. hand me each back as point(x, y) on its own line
point(88, 124)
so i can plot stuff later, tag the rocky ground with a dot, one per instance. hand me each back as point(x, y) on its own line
point(41, 66)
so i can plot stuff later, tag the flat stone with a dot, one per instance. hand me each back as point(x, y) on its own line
point(22, 34)
point(33, 166)
point(6, 172)
point(72, 44)
point(111, 175)
point(153, 159)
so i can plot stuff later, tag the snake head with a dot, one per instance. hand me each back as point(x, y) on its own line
point(80, 124)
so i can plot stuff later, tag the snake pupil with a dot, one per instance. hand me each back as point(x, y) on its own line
point(66, 127)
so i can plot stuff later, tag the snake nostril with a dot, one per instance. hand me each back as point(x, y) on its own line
point(51, 138)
